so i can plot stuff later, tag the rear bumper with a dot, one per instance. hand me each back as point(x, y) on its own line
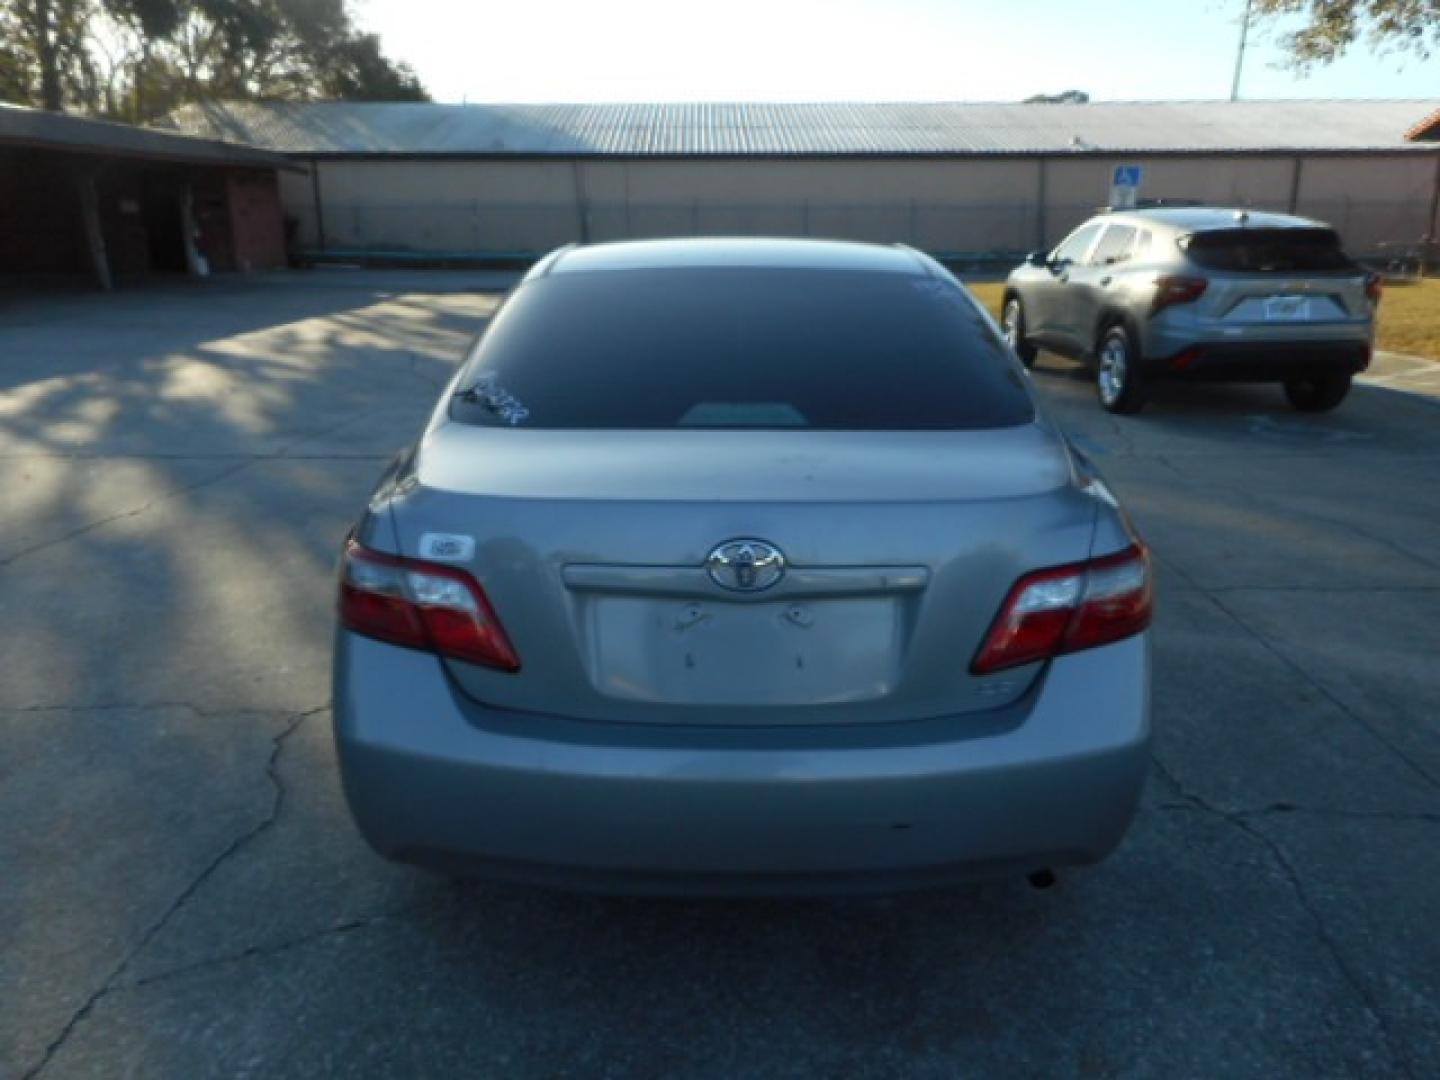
point(434, 778)
point(1261, 362)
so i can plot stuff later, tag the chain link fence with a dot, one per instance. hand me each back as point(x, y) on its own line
point(515, 229)
point(982, 234)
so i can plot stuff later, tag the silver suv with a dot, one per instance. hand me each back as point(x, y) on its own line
point(1198, 293)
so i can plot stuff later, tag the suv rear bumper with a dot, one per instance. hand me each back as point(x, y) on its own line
point(435, 778)
point(1261, 362)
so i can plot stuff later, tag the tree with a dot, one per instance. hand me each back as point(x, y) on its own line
point(138, 59)
point(1069, 97)
point(151, 22)
point(1331, 27)
point(358, 71)
point(17, 76)
point(49, 38)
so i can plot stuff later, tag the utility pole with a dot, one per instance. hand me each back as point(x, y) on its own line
point(1240, 56)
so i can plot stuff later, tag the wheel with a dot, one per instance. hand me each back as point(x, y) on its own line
point(1317, 393)
point(1012, 320)
point(1118, 379)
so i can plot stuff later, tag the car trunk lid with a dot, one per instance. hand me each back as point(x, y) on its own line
point(898, 548)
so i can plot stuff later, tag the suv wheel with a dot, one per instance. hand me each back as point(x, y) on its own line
point(1012, 320)
point(1317, 393)
point(1118, 379)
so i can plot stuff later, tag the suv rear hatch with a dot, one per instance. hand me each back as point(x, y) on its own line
point(1278, 281)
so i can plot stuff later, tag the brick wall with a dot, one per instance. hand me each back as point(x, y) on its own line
point(256, 221)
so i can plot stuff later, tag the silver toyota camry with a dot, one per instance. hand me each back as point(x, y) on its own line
point(742, 566)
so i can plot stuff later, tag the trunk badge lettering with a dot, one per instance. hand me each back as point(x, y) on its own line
point(447, 547)
point(745, 565)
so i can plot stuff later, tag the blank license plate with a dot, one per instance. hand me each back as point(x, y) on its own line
point(707, 653)
point(1287, 308)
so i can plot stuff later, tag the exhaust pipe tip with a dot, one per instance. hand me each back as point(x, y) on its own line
point(1042, 879)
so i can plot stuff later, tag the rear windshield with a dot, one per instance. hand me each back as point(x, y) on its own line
point(1281, 251)
point(730, 348)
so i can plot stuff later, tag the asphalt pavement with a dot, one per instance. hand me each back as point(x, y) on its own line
point(182, 893)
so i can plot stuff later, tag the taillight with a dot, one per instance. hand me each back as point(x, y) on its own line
point(421, 605)
point(1172, 289)
point(1068, 608)
point(1374, 288)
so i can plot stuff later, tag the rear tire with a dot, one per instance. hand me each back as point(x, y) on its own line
point(1317, 393)
point(1118, 382)
point(1012, 321)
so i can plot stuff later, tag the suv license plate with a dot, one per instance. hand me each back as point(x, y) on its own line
point(1287, 308)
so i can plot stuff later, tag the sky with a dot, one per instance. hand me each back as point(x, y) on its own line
point(856, 50)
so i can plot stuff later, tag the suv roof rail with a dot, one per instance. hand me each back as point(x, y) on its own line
point(1155, 204)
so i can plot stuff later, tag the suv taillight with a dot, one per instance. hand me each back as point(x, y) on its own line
point(1173, 289)
point(1374, 287)
point(421, 605)
point(1069, 608)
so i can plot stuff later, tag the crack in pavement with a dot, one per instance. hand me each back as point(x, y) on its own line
point(1281, 808)
point(281, 453)
point(1352, 815)
point(235, 456)
point(1310, 681)
point(1324, 590)
point(1352, 978)
point(110, 982)
point(285, 945)
point(415, 371)
point(149, 504)
point(1214, 597)
point(1255, 501)
point(141, 706)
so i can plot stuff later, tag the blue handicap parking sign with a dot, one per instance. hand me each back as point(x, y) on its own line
point(1127, 176)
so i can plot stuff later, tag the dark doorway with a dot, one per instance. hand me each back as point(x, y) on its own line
point(163, 223)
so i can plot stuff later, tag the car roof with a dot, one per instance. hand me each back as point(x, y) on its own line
point(734, 253)
point(1192, 219)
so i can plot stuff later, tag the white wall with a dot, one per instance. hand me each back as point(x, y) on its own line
point(972, 206)
point(1372, 201)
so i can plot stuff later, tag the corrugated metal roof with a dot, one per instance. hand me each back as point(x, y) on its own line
point(21, 126)
point(830, 128)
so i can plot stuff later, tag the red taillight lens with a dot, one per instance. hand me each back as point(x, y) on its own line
point(1171, 289)
point(1374, 288)
point(1069, 608)
point(421, 605)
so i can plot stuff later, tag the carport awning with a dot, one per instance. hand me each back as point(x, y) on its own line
point(36, 129)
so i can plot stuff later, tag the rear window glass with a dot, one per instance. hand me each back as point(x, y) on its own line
point(1260, 251)
point(726, 348)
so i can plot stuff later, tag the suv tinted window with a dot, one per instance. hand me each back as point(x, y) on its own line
point(1073, 247)
point(1114, 246)
point(1285, 251)
point(828, 349)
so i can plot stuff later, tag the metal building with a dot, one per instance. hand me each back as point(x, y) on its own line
point(963, 180)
